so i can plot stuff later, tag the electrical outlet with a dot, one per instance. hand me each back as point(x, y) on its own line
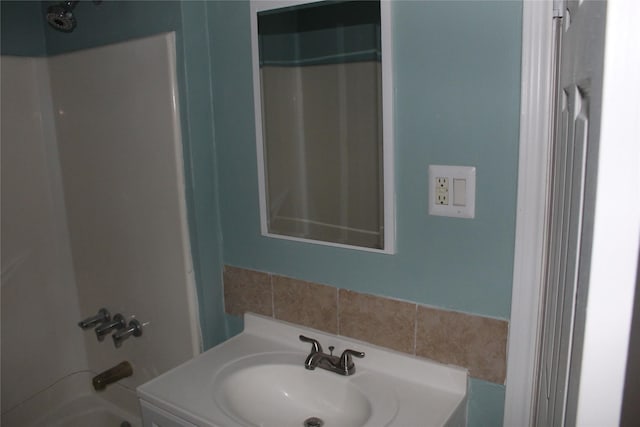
point(452, 191)
point(442, 191)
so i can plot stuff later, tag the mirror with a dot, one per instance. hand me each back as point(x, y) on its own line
point(322, 93)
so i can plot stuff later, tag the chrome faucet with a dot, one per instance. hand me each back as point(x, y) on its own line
point(342, 365)
point(134, 328)
point(101, 317)
point(110, 376)
point(106, 328)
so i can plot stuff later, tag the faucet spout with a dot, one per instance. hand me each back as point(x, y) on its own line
point(313, 360)
point(110, 376)
point(342, 365)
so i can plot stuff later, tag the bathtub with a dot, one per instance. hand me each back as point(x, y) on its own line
point(72, 402)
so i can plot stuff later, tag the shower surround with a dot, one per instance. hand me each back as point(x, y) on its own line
point(93, 215)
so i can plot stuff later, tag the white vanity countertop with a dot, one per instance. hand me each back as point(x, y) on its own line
point(427, 393)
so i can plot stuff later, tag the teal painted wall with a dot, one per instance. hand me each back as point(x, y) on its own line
point(457, 82)
point(22, 30)
point(457, 102)
point(486, 404)
point(457, 87)
point(195, 80)
point(112, 22)
point(117, 21)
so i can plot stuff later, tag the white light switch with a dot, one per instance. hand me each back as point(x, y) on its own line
point(459, 191)
point(459, 200)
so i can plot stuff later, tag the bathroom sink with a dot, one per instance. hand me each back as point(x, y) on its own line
point(258, 378)
point(274, 389)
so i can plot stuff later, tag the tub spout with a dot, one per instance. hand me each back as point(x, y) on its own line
point(110, 376)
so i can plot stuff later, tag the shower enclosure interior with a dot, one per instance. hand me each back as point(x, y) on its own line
point(93, 215)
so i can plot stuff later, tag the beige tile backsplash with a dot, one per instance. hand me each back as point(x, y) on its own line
point(381, 321)
point(305, 303)
point(474, 342)
point(247, 290)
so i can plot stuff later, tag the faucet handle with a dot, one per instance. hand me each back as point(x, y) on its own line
point(134, 328)
point(118, 322)
point(102, 316)
point(345, 360)
point(317, 348)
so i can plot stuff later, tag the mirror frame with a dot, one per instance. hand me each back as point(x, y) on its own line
point(388, 132)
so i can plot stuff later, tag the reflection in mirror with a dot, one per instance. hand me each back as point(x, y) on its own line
point(319, 113)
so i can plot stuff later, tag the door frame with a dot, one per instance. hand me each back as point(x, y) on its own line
point(612, 281)
point(536, 110)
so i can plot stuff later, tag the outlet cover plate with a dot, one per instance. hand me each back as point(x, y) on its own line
point(467, 173)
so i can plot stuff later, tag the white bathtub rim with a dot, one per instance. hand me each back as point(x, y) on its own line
point(47, 403)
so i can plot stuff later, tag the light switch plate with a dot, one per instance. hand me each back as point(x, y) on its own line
point(465, 206)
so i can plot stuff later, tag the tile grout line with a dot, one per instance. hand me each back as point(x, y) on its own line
point(415, 332)
point(338, 310)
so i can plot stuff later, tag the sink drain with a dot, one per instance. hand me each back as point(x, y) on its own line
point(313, 422)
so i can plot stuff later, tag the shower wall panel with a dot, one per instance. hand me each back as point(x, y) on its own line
point(40, 340)
point(121, 155)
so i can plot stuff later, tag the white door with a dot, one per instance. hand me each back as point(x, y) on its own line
point(578, 108)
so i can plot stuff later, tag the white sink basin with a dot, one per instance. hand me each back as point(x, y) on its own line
point(274, 389)
point(258, 378)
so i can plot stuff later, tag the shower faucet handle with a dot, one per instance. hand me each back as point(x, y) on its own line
point(133, 329)
point(106, 328)
point(102, 316)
